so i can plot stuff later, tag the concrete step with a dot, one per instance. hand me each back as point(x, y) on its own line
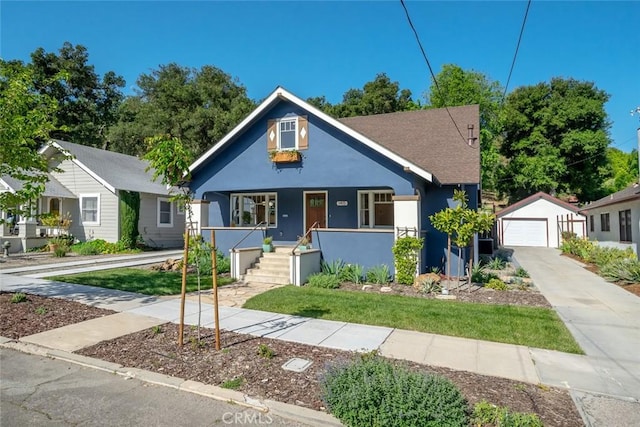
point(279, 280)
point(269, 269)
point(274, 262)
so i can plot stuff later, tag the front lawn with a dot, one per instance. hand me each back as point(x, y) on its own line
point(147, 282)
point(528, 326)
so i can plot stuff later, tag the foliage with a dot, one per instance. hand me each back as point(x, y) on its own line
point(267, 240)
point(496, 284)
point(129, 217)
point(496, 264)
point(99, 246)
point(378, 274)
point(371, 391)
point(62, 240)
point(334, 267)
point(223, 263)
point(233, 384)
point(60, 251)
point(18, 298)
point(26, 122)
point(622, 270)
point(265, 351)
point(555, 140)
point(353, 273)
point(406, 251)
point(480, 275)
point(622, 170)
point(578, 246)
point(323, 280)
point(521, 272)
point(486, 414)
point(428, 284)
point(603, 255)
point(198, 106)
point(460, 87)
point(41, 311)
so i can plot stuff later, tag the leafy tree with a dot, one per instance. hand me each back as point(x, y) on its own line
point(555, 137)
point(460, 87)
point(197, 106)
point(623, 169)
point(26, 121)
point(87, 104)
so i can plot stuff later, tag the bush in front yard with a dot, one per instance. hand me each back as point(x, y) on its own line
point(623, 270)
point(602, 255)
point(371, 391)
point(323, 280)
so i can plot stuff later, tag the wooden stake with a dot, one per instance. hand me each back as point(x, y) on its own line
point(214, 273)
point(183, 292)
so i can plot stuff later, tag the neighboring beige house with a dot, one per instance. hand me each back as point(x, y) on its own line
point(89, 190)
point(615, 220)
point(538, 220)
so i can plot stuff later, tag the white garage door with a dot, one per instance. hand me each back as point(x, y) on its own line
point(524, 232)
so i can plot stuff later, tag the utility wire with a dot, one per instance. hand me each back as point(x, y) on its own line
point(515, 55)
point(424, 55)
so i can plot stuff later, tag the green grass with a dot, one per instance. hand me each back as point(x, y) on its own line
point(147, 282)
point(528, 326)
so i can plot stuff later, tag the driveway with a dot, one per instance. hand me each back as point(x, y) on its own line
point(603, 318)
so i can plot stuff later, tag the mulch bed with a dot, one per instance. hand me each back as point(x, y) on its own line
point(157, 350)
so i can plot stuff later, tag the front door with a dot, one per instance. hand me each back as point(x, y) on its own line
point(315, 210)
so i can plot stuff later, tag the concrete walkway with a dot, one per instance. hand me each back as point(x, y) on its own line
point(602, 317)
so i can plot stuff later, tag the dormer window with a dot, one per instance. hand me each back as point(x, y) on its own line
point(288, 133)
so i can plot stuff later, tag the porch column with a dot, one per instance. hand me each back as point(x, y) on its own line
point(27, 224)
point(406, 214)
point(199, 214)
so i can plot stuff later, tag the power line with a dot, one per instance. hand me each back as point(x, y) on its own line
point(424, 55)
point(515, 55)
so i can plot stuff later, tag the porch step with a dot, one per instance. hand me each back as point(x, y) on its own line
point(268, 279)
point(272, 267)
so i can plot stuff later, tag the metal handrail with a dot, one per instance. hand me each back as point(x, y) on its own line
point(305, 235)
point(233, 249)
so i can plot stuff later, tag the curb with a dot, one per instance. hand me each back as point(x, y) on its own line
point(285, 410)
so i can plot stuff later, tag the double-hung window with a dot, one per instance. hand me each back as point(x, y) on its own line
point(625, 225)
point(375, 209)
point(248, 210)
point(165, 213)
point(287, 135)
point(90, 209)
point(605, 225)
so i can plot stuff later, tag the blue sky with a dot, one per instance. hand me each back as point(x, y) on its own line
point(326, 48)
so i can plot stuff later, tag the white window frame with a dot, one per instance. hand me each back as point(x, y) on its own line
point(295, 132)
point(267, 195)
point(90, 196)
point(180, 208)
point(158, 204)
point(371, 196)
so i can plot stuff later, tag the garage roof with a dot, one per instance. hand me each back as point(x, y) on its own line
point(534, 198)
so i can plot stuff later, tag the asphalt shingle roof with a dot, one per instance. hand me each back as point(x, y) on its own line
point(52, 188)
point(629, 193)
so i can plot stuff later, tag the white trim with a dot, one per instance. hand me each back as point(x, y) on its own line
point(267, 194)
point(87, 196)
point(281, 93)
point(293, 119)
point(91, 173)
point(304, 208)
point(371, 196)
point(8, 187)
point(158, 223)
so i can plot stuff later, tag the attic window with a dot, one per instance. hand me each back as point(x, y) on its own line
point(288, 133)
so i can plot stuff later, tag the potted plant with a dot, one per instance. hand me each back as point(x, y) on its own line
point(267, 244)
point(284, 156)
point(303, 243)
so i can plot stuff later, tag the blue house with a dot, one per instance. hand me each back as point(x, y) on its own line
point(352, 185)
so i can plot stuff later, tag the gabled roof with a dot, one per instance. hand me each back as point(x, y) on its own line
point(630, 193)
point(52, 188)
point(405, 139)
point(115, 171)
point(533, 198)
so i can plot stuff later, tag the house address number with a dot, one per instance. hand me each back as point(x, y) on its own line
point(342, 203)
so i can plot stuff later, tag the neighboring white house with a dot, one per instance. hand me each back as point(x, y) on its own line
point(615, 220)
point(89, 189)
point(538, 220)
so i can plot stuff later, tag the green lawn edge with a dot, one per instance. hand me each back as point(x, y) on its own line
point(146, 282)
point(527, 326)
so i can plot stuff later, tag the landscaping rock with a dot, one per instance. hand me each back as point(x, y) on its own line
point(169, 265)
point(367, 287)
point(386, 289)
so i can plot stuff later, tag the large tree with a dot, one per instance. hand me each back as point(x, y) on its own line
point(87, 104)
point(198, 106)
point(623, 170)
point(459, 87)
point(555, 137)
point(378, 96)
point(26, 120)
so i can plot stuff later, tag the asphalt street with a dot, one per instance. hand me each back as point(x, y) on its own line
point(38, 391)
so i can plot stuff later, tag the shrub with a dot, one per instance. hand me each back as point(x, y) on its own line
point(428, 283)
point(602, 255)
point(60, 251)
point(379, 274)
point(405, 255)
point(352, 273)
point(486, 414)
point(496, 284)
point(578, 246)
point(129, 217)
point(371, 391)
point(480, 275)
point(98, 246)
point(18, 297)
point(223, 263)
point(521, 272)
point(323, 280)
point(334, 267)
point(497, 263)
point(624, 270)
point(265, 351)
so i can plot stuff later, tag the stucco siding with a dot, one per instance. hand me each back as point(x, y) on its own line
point(152, 234)
point(80, 183)
point(613, 235)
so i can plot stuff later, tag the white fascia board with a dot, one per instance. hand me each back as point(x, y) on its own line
point(7, 186)
point(284, 94)
point(89, 172)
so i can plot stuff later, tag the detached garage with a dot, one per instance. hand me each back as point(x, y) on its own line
point(538, 220)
